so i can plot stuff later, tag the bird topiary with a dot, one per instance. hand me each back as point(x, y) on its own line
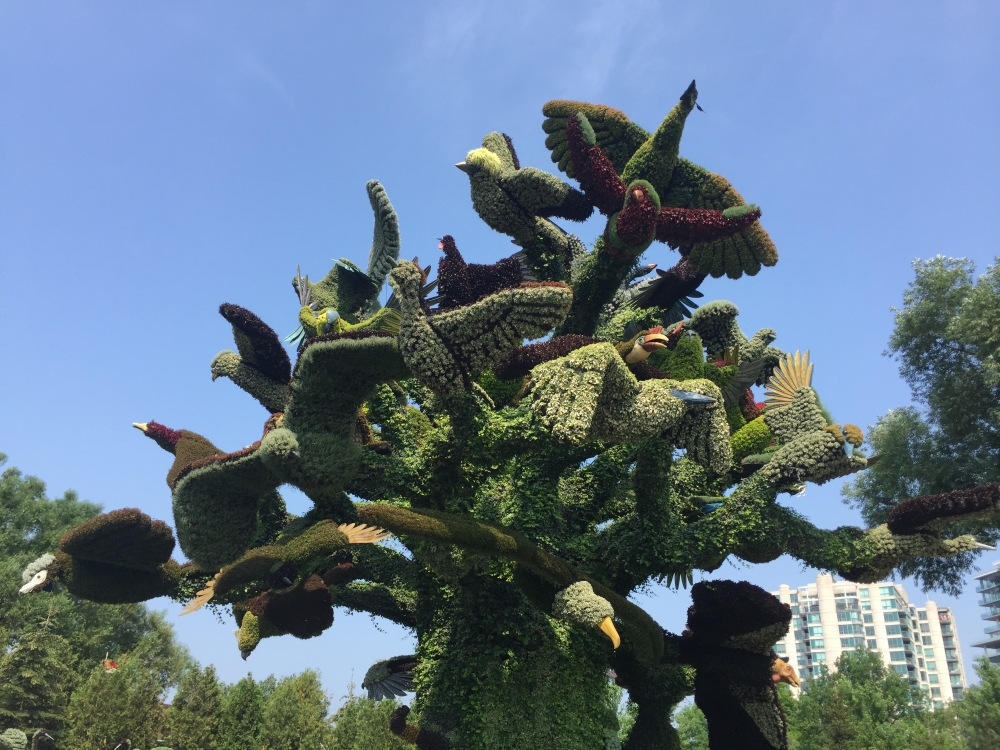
point(530, 487)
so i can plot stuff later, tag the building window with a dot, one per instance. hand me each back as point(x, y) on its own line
point(863, 593)
point(932, 679)
point(923, 676)
point(873, 644)
point(816, 643)
point(851, 642)
point(848, 616)
point(888, 604)
point(866, 605)
point(794, 598)
point(951, 653)
point(812, 618)
point(936, 692)
point(893, 630)
point(886, 590)
point(955, 679)
point(932, 666)
point(816, 630)
point(895, 643)
point(891, 617)
point(900, 669)
point(869, 630)
point(779, 648)
point(949, 642)
point(850, 629)
point(819, 657)
point(926, 640)
point(795, 610)
point(925, 628)
point(897, 656)
point(869, 618)
point(920, 663)
point(922, 615)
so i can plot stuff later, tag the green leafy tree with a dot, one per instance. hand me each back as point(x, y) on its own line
point(242, 717)
point(111, 706)
point(36, 679)
point(947, 344)
point(863, 705)
point(692, 729)
point(979, 709)
point(296, 715)
point(363, 724)
point(194, 714)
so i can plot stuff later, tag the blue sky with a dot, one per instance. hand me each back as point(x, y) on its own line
point(157, 159)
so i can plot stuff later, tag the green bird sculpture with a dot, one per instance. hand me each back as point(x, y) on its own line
point(518, 202)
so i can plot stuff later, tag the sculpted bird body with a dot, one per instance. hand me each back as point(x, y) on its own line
point(261, 367)
point(517, 201)
point(461, 283)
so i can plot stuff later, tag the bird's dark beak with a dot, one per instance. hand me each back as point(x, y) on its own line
point(215, 375)
point(245, 653)
point(142, 426)
point(464, 167)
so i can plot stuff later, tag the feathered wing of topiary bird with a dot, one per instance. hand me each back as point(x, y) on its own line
point(732, 629)
point(119, 557)
point(261, 367)
point(518, 201)
point(446, 351)
point(461, 283)
point(390, 678)
point(636, 154)
point(590, 395)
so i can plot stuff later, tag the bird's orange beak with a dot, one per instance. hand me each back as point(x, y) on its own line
point(653, 341)
point(608, 628)
point(143, 426)
point(639, 194)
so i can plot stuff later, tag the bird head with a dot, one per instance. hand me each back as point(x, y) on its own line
point(223, 366)
point(578, 603)
point(406, 279)
point(782, 671)
point(641, 192)
point(645, 344)
point(39, 575)
point(481, 160)
point(163, 436)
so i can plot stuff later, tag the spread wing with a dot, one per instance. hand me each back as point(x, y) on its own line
point(257, 343)
point(692, 186)
point(480, 334)
point(127, 538)
point(745, 377)
point(385, 242)
point(618, 136)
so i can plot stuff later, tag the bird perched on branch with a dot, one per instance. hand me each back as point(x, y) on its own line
point(261, 368)
point(518, 202)
point(347, 297)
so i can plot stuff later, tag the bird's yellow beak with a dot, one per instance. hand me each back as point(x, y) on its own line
point(143, 426)
point(654, 341)
point(463, 166)
point(608, 628)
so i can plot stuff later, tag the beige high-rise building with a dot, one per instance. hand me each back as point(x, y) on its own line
point(830, 617)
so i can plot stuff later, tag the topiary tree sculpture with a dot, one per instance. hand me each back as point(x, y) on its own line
point(530, 488)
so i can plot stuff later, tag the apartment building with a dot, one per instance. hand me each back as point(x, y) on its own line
point(988, 584)
point(830, 617)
